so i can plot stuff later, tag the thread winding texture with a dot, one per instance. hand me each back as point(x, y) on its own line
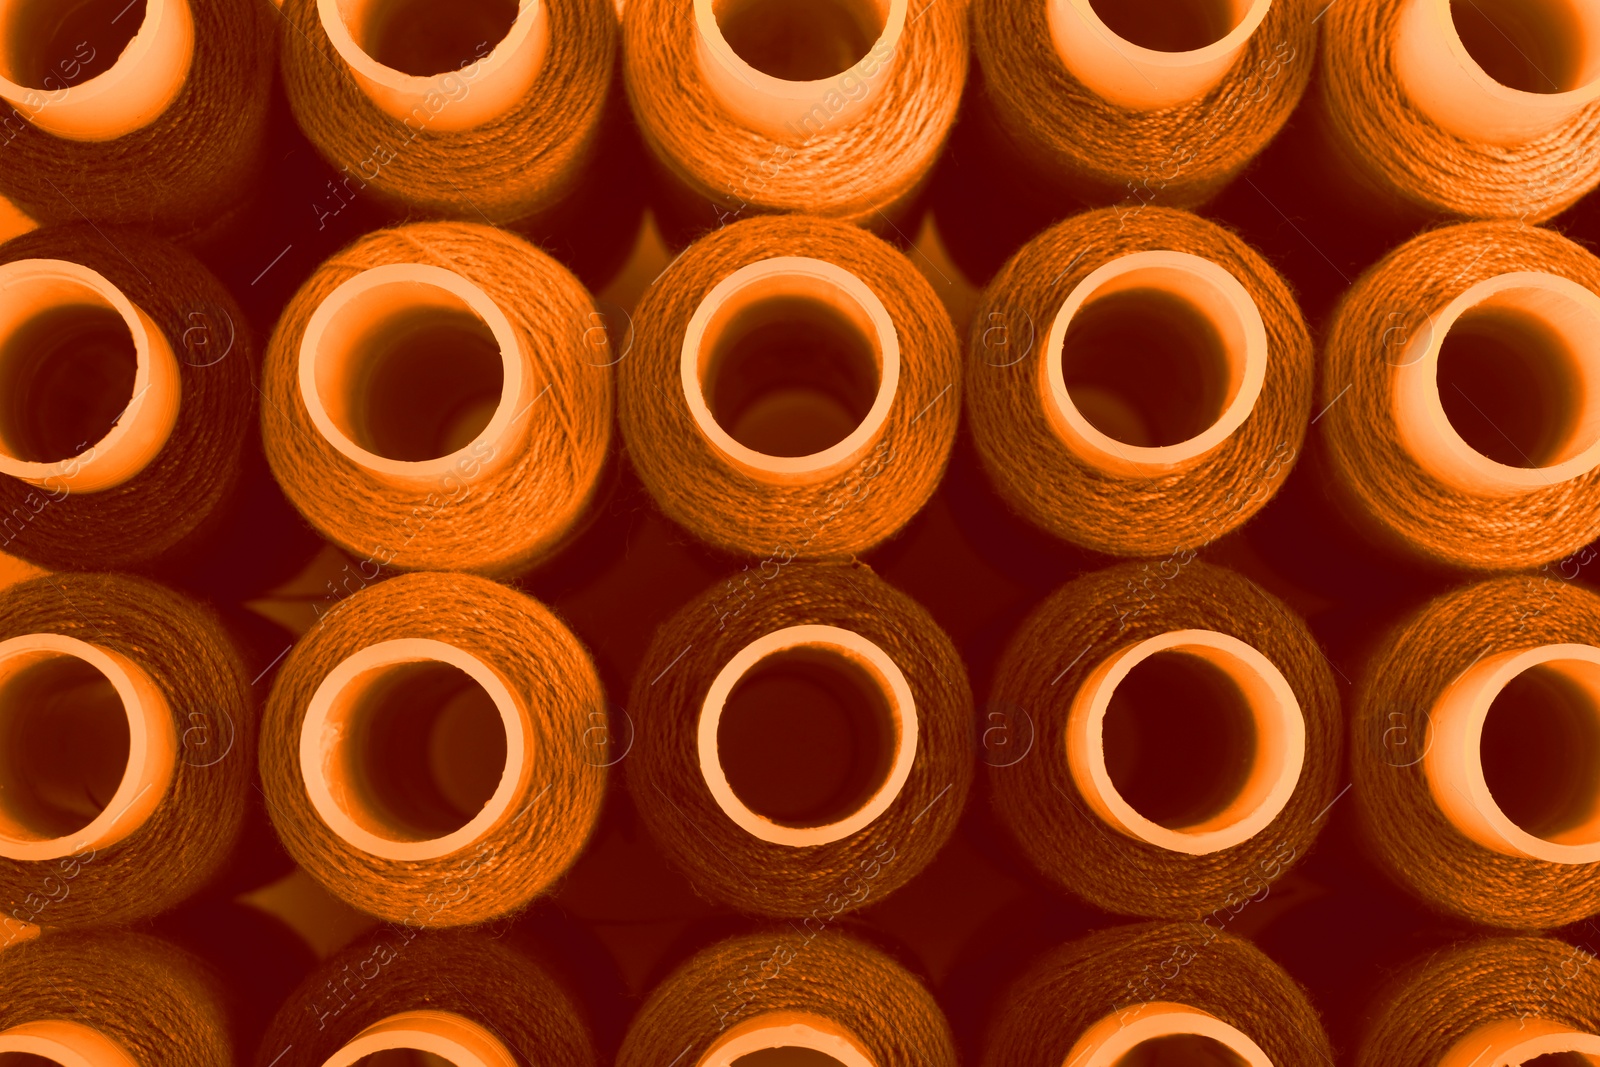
point(157, 1002)
point(163, 511)
point(1036, 473)
point(1087, 148)
point(1048, 659)
point(1377, 318)
point(1422, 1012)
point(1389, 728)
point(827, 974)
point(553, 680)
point(495, 522)
point(846, 513)
point(1073, 987)
point(514, 169)
point(723, 861)
point(400, 969)
point(1397, 151)
point(189, 835)
point(860, 172)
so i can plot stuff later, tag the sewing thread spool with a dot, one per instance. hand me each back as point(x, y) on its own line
point(129, 746)
point(427, 770)
point(1152, 366)
point(110, 999)
point(125, 399)
point(1186, 739)
point(438, 396)
point(790, 996)
point(1182, 989)
point(154, 118)
point(1498, 1002)
point(1470, 436)
point(1488, 110)
point(802, 740)
point(794, 388)
point(1475, 749)
point(453, 997)
point(773, 106)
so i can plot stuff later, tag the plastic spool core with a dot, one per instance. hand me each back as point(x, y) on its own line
point(89, 388)
point(413, 749)
point(1448, 56)
point(424, 1039)
point(1151, 54)
point(1522, 729)
point(1152, 362)
point(1252, 741)
point(56, 1041)
point(1158, 1033)
point(1511, 366)
point(460, 65)
point(76, 69)
point(87, 747)
point(790, 368)
point(1512, 1042)
point(797, 69)
point(786, 1039)
point(416, 376)
point(777, 696)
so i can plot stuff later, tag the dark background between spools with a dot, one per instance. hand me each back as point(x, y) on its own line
point(978, 915)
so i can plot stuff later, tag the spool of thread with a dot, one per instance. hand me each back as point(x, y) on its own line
point(790, 996)
point(770, 106)
point(1498, 1002)
point(438, 397)
point(1151, 991)
point(120, 797)
point(154, 116)
point(111, 999)
point(1471, 432)
point(1186, 739)
point(1102, 102)
point(454, 997)
point(427, 766)
point(803, 740)
point(1475, 753)
point(1483, 110)
point(125, 399)
point(794, 388)
point(1152, 366)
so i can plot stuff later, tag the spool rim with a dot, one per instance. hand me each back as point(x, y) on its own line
point(861, 652)
point(338, 697)
point(69, 1044)
point(129, 95)
point(498, 81)
point(784, 276)
point(1513, 1042)
point(32, 286)
point(1229, 307)
point(786, 1029)
point(1279, 752)
point(453, 1037)
point(1454, 768)
point(777, 107)
point(1427, 434)
point(1139, 78)
point(1115, 1035)
point(152, 748)
point(331, 343)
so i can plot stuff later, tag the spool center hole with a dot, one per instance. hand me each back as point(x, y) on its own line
point(1145, 367)
point(26, 1059)
point(791, 376)
point(800, 40)
point(806, 738)
point(1541, 752)
point(788, 1056)
point(66, 376)
point(1181, 1050)
point(52, 45)
point(422, 750)
point(1537, 46)
point(1563, 1059)
point(426, 37)
point(1171, 25)
point(1179, 739)
point(404, 1057)
point(64, 746)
